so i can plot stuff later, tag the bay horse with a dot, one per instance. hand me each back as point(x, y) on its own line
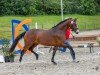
point(52, 37)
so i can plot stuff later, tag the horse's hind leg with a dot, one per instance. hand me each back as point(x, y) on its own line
point(54, 52)
point(23, 52)
point(31, 49)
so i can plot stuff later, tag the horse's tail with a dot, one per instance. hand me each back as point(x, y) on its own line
point(16, 41)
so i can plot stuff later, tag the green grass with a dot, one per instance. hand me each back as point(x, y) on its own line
point(84, 22)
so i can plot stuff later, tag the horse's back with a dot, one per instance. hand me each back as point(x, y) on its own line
point(36, 34)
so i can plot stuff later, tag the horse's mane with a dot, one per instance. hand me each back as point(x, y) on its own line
point(61, 22)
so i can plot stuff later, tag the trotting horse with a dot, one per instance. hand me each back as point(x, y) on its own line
point(52, 37)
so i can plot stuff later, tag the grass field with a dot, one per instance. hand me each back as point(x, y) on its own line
point(84, 22)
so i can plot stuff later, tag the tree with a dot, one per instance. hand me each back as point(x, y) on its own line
point(88, 7)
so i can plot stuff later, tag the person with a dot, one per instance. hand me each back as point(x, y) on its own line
point(68, 45)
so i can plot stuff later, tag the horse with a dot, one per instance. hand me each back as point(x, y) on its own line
point(52, 37)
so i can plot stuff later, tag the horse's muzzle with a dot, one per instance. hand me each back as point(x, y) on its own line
point(77, 31)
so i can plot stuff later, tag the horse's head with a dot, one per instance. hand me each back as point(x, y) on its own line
point(67, 23)
point(73, 26)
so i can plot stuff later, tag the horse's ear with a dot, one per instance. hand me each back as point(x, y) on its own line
point(75, 19)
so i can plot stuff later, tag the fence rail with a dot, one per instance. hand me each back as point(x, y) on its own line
point(6, 30)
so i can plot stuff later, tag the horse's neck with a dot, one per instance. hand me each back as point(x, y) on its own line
point(63, 27)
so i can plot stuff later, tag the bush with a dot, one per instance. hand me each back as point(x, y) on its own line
point(87, 7)
point(5, 48)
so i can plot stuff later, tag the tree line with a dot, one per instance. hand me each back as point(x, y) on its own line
point(40, 7)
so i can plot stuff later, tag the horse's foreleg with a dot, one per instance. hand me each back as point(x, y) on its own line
point(31, 49)
point(54, 52)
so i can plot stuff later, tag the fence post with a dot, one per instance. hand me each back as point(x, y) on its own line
point(42, 26)
point(85, 26)
point(94, 26)
point(36, 26)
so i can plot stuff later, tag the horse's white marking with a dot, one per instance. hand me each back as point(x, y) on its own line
point(72, 22)
point(77, 31)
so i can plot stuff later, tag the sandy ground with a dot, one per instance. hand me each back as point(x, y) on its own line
point(89, 63)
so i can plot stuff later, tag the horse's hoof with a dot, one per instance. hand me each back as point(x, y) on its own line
point(54, 63)
point(20, 61)
point(75, 61)
point(37, 57)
